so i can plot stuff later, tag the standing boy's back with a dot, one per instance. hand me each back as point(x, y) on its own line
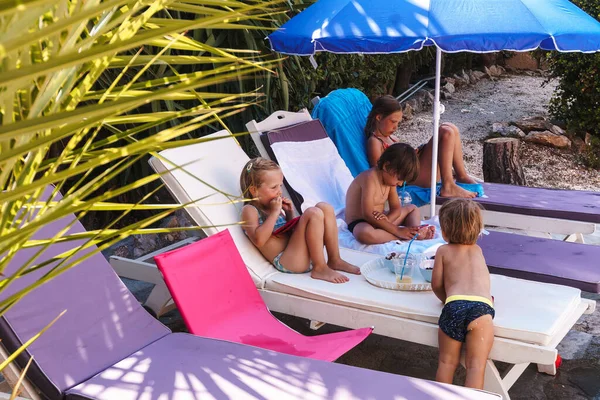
point(461, 280)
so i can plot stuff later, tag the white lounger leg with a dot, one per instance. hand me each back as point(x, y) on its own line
point(493, 382)
point(314, 325)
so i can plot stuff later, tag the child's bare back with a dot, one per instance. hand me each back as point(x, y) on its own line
point(464, 270)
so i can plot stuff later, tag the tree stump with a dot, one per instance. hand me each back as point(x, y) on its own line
point(501, 162)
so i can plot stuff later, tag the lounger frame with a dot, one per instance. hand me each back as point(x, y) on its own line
point(573, 230)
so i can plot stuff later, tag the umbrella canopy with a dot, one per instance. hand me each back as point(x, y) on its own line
point(394, 26)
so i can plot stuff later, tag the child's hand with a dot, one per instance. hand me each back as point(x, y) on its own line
point(408, 232)
point(380, 216)
point(276, 204)
point(287, 205)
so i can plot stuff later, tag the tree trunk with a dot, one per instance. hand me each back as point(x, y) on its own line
point(501, 162)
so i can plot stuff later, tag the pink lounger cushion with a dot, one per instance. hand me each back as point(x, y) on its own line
point(217, 298)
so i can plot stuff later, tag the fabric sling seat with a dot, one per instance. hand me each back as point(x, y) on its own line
point(342, 110)
point(106, 346)
point(531, 317)
point(538, 259)
point(212, 271)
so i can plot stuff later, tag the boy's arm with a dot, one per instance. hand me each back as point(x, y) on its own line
point(394, 203)
point(437, 276)
point(374, 151)
point(368, 207)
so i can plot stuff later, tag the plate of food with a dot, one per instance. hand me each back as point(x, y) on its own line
point(386, 272)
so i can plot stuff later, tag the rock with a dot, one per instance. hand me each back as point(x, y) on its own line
point(511, 69)
point(548, 138)
point(479, 75)
point(450, 80)
point(499, 127)
point(473, 77)
point(445, 95)
point(459, 81)
point(514, 131)
point(557, 129)
point(449, 88)
point(407, 112)
point(588, 139)
point(488, 72)
point(503, 129)
point(531, 124)
point(466, 77)
point(494, 71)
point(121, 251)
point(414, 104)
point(501, 70)
point(144, 244)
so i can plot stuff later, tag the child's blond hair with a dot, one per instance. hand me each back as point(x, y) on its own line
point(252, 174)
point(461, 221)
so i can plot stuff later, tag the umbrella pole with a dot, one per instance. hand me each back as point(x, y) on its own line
point(436, 125)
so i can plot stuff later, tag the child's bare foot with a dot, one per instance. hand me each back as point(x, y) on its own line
point(453, 190)
point(341, 265)
point(426, 232)
point(431, 231)
point(329, 275)
point(408, 232)
point(465, 179)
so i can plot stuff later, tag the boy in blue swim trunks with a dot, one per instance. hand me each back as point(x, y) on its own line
point(461, 281)
point(289, 250)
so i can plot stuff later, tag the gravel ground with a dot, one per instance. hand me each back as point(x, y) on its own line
point(475, 108)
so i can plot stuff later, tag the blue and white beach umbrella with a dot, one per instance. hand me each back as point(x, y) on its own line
point(396, 26)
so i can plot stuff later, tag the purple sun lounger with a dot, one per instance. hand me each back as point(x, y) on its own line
point(106, 346)
point(536, 259)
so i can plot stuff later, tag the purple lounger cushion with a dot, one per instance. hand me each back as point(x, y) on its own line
point(103, 324)
point(185, 367)
point(543, 260)
point(575, 205)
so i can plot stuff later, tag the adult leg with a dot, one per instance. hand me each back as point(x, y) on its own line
point(331, 240)
point(446, 149)
point(306, 245)
point(479, 343)
point(449, 357)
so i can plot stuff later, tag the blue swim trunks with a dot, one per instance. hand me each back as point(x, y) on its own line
point(277, 264)
point(458, 313)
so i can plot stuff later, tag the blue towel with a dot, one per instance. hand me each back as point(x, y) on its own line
point(421, 196)
point(343, 113)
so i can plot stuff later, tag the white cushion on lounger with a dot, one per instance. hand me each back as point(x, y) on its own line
point(547, 305)
point(219, 163)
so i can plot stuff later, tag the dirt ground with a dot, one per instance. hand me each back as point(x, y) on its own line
point(475, 108)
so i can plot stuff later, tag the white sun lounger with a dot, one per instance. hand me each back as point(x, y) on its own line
point(532, 318)
point(562, 226)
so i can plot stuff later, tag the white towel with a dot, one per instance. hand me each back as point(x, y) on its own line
point(316, 171)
